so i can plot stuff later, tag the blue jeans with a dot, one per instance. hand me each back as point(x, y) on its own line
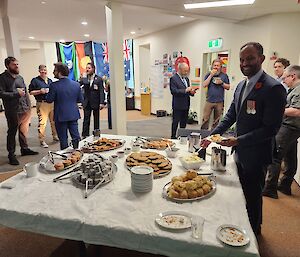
point(62, 132)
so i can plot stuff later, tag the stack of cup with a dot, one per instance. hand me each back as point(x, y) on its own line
point(141, 179)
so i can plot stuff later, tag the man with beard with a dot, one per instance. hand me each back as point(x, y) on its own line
point(17, 109)
point(216, 82)
point(257, 110)
point(65, 94)
point(93, 99)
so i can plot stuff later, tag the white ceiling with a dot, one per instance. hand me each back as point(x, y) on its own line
point(61, 19)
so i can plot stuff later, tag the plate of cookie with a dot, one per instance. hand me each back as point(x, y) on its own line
point(102, 145)
point(189, 187)
point(61, 160)
point(160, 164)
point(153, 142)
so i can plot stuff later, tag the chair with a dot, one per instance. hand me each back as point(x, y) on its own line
point(186, 132)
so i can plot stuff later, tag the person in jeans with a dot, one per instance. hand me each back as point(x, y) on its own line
point(216, 82)
point(17, 109)
point(286, 139)
point(39, 88)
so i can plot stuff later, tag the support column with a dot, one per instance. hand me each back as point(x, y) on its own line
point(10, 32)
point(114, 26)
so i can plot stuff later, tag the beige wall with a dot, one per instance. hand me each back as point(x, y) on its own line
point(272, 31)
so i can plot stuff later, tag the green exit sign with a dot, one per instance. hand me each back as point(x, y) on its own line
point(215, 43)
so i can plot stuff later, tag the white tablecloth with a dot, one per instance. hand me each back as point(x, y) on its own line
point(115, 216)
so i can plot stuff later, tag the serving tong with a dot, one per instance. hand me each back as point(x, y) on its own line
point(62, 177)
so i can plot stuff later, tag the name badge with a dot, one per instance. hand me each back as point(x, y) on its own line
point(95, 87)
point(251, 107)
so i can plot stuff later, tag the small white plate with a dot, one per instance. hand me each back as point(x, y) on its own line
point(176, 220)
point(211, 139)
point(232, 235)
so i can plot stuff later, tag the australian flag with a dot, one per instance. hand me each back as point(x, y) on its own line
point(101, 59)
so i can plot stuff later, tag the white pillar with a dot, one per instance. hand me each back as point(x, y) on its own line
point(10, 32)
point(114, 25)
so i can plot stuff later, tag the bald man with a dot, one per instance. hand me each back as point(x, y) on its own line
point(181, 92)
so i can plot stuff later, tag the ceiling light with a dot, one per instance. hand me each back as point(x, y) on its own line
point(87, 35)
point(218, 4)
point(181, 16)
point(132, 32)
point(31, 37)
point(84, 23)
point(43, 2)
point(62, 41)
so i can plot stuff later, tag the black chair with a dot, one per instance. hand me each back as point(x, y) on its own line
point(186, 132)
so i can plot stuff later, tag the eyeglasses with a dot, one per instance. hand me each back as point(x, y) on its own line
point(288, 76)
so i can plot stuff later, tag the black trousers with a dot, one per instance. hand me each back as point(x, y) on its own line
point(109, 115)
point(252, 182)
point(179, 116)
point(87, 111)
point(17, 122)
point(286, 143)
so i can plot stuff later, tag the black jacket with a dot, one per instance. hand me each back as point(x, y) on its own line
point(93, 94)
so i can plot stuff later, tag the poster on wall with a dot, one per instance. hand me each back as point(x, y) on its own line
point(175, 54)
point(157, 81)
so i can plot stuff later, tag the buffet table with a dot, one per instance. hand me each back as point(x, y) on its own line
point(115, 216)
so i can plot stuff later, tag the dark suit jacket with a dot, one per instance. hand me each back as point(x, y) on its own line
point(93, 95)
point(181, 99)
point(256, 132)
point(65, 94)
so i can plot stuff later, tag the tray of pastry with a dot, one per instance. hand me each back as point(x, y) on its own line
point(102, 145)
point(189, 187)
point(161, 165)
point(154, 143)
point(61, 160)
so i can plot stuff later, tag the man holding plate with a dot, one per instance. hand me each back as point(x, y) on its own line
point(257, 109)
point(216, 81)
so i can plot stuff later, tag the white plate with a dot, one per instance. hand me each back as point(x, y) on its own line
point(232, 235)
point(174, 220)
point(47, 165)
point(177, 200)
point(210, 139)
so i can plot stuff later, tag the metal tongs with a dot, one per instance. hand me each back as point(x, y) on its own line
point(87, 193)
point(63, 176)
point(50, 153)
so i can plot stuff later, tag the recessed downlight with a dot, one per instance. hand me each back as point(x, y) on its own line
point(87, 35)
point(84, 23)
point(31, 37)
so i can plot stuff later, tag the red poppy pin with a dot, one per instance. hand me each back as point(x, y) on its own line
point(258, 85)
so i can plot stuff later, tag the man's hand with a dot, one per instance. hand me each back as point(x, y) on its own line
point(21, 91)
point(213, 72)
point(231, 141)
point(189, 89)
point(101, 106)
point(205, 143)
point(43, 91)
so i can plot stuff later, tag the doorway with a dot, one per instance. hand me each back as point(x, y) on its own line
point(206, 67)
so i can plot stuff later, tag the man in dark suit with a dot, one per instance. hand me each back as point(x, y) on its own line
point(93, 98)
point(181, 92)
point(65, 94)
point(257, 109)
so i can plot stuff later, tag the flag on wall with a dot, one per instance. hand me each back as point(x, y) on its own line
point(84, 54)
point(78, 54)
point(68, 56)
point(101, 58)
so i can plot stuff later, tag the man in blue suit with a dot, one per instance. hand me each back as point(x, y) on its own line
point(65, 94)
point(181, 92)
point(257, 109)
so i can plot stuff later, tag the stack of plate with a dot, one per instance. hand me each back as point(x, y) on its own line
point(141, 179)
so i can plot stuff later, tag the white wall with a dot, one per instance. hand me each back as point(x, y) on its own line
point(272, 31)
